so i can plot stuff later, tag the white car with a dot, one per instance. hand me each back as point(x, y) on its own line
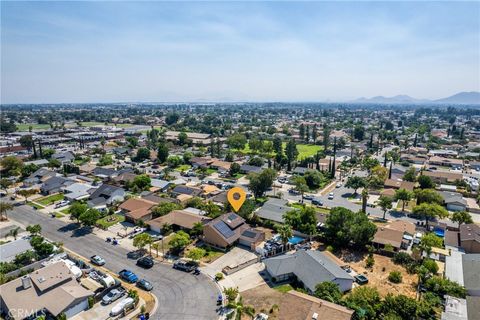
point(330, 196)
point(122, 305)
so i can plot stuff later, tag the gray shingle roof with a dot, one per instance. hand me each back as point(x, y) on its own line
point(471, 274)
point(274, 209)
point(311, 267)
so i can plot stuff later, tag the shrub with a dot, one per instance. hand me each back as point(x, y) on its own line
point(370, 261)
point(219, 276)
point(330, 248)
point(91, 302)
point(395, 277)
point(402, 258)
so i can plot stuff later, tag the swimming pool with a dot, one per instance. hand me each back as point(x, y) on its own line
point(296, 240)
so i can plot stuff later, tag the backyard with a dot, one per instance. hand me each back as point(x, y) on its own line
point(304, 150)
point(108, 221)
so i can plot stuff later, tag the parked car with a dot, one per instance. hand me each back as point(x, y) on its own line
point(317, 202)
point(331, 196)
point(97, 260)
point(122, 305)
point(62, 203)
point(187, 266)
point(145, 262)
point(308, 197)
point(113, 295)
point(128, 276)
point(293, 191)
point(361, 279)
point(145, 285)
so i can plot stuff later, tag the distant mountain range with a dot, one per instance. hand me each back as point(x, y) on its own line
point(472, 97)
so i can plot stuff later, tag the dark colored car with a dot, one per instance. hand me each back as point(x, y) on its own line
point(145, 262)
point(317, 202)
point(186, 266)
point(361, 279)
point(145, 285)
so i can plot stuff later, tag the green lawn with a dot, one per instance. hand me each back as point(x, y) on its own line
point(284, 288)
point(207, 172)
point(46, 201)
point(317, 209)
point(35, 126)
point(36, 206)
point(212, 254)
point(109, 221)
point(183, 167)
point(304, 150)
point(66, 210)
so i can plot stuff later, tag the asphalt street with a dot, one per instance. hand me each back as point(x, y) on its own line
point(181, 295)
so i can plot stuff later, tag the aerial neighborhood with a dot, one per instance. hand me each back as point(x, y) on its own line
point(358, 212)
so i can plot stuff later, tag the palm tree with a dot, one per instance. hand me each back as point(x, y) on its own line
point(240, 309)
point(364, 200)
point(14, 232)
point(286, 233)
point(4, 207)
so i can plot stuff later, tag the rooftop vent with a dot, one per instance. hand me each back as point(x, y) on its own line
point(26, 282)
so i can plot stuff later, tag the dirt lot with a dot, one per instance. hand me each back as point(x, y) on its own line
point(378, 276)
point(263, 298)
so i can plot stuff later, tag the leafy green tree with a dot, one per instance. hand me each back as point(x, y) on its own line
point(399, 305)
point(179, 241)
point(259, 183)
point(366, 302)
point(277, 145)
point(196, 254)
point(11, 166)
point(410, 174)
point(300, 185)
point(142, 240)
point(132, 142)
point(171, 118)
point(403, 195)
point(197, 229)
point(41, 247)
point(442, 286)
point(89, 217)
point(359, 133)
point(142, 154)
point(429, 211)
point(428, 196)
point(328, 291)
point(165, 208)
point(142, 181)
point(461, 217)
point(4, 207)
point(54, 163)
point(291, 153)
point(344, 227)
point(303, 220)
point(105, 160)
point(425, 182)
point(430, 265)
point(34, 229)
point(234, 169)
point(5, 184)
point(27, 193)
point(385, 203)
point(314, 179)
point(237, 141)
point(182, 138)
point(429, 241)
point(162, 154)
point(76, 210)
point(356, 182)
point(174, 161)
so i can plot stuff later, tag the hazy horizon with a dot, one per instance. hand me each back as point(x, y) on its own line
point(107, 52)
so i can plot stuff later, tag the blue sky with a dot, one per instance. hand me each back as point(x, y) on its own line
point(256, 51)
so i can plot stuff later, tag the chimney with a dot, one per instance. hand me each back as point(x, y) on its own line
point(26, 282)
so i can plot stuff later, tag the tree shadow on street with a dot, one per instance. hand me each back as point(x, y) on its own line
point(69, 227)
point(83, 231)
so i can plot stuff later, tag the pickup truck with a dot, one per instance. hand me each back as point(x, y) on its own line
point(186, 266)
point(128, 276)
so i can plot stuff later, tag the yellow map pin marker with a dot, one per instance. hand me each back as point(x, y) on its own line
point(236, 196)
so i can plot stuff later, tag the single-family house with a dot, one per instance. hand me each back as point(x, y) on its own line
point(136, 209)
point(39, 176)
point(64, 157)
point(470, 238)
point(179, 219)
point(191, 191)
point(226, 230)
point(443, 177)
point(104, 173)
point(246, 169)
point(77, 191)
point(52, 289)
point(471, 274)
point(273, 209)
point(10, 250)
point(105, 195)
point(310, 267)
point(55, 185)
